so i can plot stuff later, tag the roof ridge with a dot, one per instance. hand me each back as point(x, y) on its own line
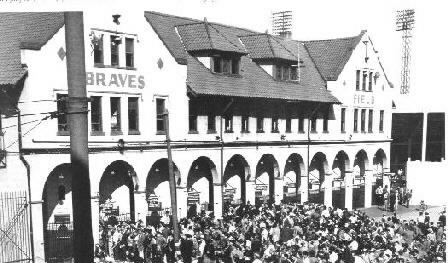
point(169, 15)
point(228, 40)
point(287, 49)
point(332, 39)
point(270, 46)
point(208, 33)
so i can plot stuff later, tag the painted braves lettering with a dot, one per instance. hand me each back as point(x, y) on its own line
point(115, 80)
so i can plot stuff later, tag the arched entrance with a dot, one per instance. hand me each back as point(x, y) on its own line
point(234, 180)
point(57, 215)
point(116, 195)
point(341, 164)
point(158, 188)
point(266, 172)
point(294, 168)
point(360, 165)
point(379, 160)
point(316, 178)
point(200, 186)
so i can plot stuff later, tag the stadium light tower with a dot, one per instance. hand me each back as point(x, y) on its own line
point(405, 21)
point(282, 23)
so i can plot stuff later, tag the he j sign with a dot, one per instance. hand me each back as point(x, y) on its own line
point(363, 99)
point(115, 80)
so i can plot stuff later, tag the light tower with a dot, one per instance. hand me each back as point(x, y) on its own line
point(282, 23)
point(405, 23)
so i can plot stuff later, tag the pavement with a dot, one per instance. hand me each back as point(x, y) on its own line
point(404, 212)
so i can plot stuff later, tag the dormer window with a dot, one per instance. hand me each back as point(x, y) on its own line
point(226, 65)
point(285, 72)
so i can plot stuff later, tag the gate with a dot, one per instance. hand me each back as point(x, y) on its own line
point(15, 242)
point(59, 242)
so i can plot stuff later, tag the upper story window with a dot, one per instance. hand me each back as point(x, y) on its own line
point(133, 119)
point(370, 81)
point(95, 115)
point(98, 53)
point(313, 124)
point(115, 115)
point(260, 124)
point(381, 121)
point(343, 119)
point(358, 77)
point(325, 123)
point(363, 120)
point(228, 123)
point(160, 111)
point(370, 125)
point(62, 114)
point(285, 72)
point(288, 125)
point(129, 52)
point(301, 125)
point(364, 79)
point(226, 65)
point(245, 124)
point(115, 42)
point(355, 120)
point(192, 119)
point(211, 123)
point(274, 125)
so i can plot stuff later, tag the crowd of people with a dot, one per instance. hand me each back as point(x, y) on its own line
point(285, 233)
point(389, 199)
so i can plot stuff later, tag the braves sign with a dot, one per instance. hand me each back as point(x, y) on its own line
point(115, 80)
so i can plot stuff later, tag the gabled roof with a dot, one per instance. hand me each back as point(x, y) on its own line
point(266, 46)
point(253, 81)
point(23, 30)
point(331, 55)
point(204, 36)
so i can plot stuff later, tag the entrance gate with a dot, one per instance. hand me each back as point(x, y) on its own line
point(358, 193)
point(15, 243)
point(59, 242)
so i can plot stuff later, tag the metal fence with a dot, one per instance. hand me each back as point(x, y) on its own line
point(15, 243)
point(59, 242)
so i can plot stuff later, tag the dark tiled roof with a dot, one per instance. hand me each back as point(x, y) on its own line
point(204, 36)
point(265, 46)
point(331, 55)
point(23, 30)
point(253, 81)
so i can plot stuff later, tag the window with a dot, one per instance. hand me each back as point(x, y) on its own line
point(325, 123)
point(313, 124)
point(236, 66)
point(95, 114)
point(370, 120)
point(133, 115)
point(211, 123)
point(62, 110)
point(301, 125)
point(381, 120)
point(114, 55)
point(98, 54)
point(226, 65)
point(260, 124)
point(285, 75)
point(363, 120)
point(192, 118)
point(288, 125)
point(294, 74)
point(370, 80)
point(115, 114)
point(355, 121)
point(285, 72)
point(358, 76)
point(129, 52)
point(364, 80)
point(160, 111)
point(278, 72)
point(342, 119)
point(274, 125)
point(244, 124)
point(228, 123)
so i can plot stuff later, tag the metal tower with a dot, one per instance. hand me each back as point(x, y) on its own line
point(282, 23)
point(405, 23)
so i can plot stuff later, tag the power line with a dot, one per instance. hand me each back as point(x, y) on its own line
point(35, 126)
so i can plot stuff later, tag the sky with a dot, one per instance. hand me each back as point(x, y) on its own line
point(317, 19)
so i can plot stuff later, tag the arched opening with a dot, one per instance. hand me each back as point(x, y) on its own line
point(116, 195)
point(360, 165)
point(316, 178)
point(57, 214)
point(294, 168)
point(379, 160)
point(341, 164)
point(200, 186)
point(234, 181)
point(158, 188)
point(266, 171)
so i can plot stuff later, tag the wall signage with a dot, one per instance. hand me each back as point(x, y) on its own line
point(364, 99)
point(118, 80)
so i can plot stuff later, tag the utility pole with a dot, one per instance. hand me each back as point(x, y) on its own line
point(79, 151)
point(172, 179)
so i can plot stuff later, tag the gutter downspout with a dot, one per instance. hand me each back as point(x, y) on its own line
point(28, 176)
point(222, 143)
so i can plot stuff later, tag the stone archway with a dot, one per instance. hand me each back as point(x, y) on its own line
point(316, 178)
point(266, 172)
point(341, 165)
point(379, 161)
point(360, 166)
point(200, 181)
point(236, 173)
point(292, 178)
